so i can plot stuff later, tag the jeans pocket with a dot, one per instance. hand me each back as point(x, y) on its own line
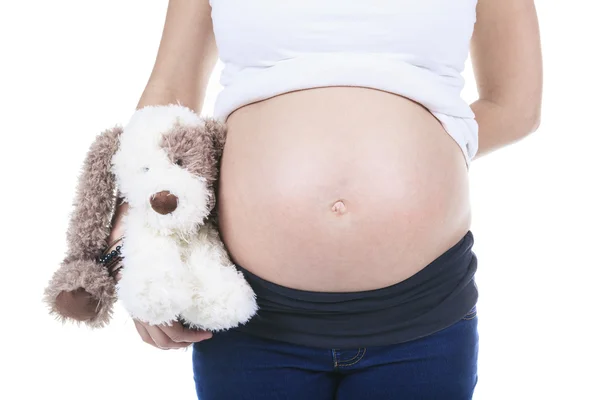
point(471, 314)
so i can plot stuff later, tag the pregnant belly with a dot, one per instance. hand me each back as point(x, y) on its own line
point(340, 189)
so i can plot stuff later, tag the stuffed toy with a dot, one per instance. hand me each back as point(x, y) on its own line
point(164, 164)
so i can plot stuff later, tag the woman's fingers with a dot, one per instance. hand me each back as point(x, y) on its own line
point(178, 333)
point(155, 337)
point(162, 340)
point(143, 333)
point(175, 336)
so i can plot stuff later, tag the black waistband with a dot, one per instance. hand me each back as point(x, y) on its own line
point(433, 299)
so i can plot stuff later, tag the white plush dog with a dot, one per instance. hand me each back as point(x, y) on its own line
point(175, 265)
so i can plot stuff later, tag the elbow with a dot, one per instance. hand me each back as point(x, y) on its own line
point(534, 119)
point(530, 112)
point(527, 119)
point(530, 122)
point(521, 111)
point(535, 116)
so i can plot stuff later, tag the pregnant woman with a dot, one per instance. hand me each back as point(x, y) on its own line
point(344, 190)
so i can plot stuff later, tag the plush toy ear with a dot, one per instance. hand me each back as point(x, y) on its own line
point(218, 132)
point(81, 289)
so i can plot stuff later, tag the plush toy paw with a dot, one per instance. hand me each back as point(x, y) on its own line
point(81, 290)
point(229, 303)
point(77, 304)
point(222, 298)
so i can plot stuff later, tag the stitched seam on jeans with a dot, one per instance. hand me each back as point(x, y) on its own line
point(342, 362)
point(364, 350)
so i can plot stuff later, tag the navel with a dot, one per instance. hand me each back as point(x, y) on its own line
point(339, 207)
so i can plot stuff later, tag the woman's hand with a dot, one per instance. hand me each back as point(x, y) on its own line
point(167, 337)
point(174, 336)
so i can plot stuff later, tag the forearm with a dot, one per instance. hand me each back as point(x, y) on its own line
point(507, 63)
point(163, 93)
point(186, 57)
point(178, 80)
point(501, 125)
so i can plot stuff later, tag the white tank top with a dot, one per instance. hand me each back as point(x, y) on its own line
point(414, 48)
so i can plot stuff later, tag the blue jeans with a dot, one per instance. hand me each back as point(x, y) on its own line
point(234, 365)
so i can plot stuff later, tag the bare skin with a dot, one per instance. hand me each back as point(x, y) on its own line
point(323, 199)
point(370, 188)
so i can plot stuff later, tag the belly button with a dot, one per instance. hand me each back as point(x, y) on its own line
point(339, 207)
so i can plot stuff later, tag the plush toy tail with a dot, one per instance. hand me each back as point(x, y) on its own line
point(81, 289)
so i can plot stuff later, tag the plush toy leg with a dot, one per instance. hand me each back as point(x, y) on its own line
point(68, 299)
point(151, 283)
point(222, 298)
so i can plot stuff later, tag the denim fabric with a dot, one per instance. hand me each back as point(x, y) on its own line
point(236, 365)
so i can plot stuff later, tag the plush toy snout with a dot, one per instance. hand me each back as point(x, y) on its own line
point(163, 202)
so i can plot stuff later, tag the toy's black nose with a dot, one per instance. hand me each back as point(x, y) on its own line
point(163, 202)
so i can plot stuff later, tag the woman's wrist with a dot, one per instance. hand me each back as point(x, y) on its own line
point(117, 230)
point(111, 258)
point(117, 225)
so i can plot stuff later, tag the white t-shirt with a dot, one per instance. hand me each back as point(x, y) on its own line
point(415, 48)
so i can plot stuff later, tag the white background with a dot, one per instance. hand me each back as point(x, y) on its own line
point(70, 69)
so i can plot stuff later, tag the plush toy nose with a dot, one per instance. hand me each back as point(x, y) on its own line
point(163, 202)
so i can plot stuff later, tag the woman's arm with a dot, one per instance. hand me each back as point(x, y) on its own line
point(186, 56)
point(507, 62)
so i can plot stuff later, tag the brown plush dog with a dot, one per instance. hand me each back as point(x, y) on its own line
point(164, 164)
